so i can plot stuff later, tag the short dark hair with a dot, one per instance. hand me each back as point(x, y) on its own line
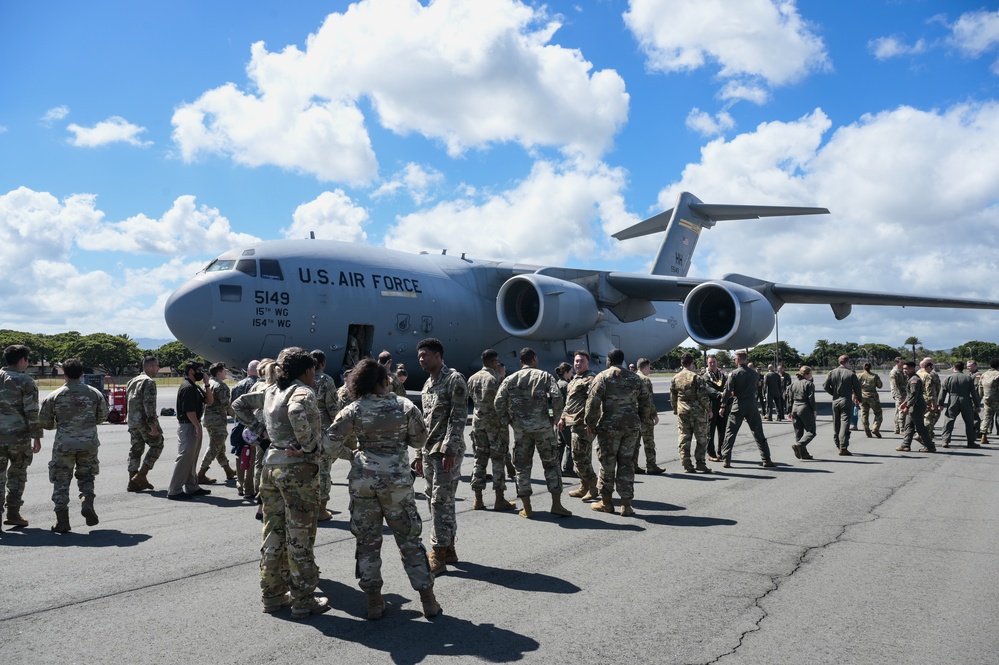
point(959, 365)
point(191, 364)
point(994, 363)
point(319, 356)
point(488, 355)
point(615, 357)
point(527, 354)
point(292, 363)
point(150, 359)
point(563, 368)
point(867, 365)
point(432, 344)
point(72, 368)
point(581, 352)
point(910, 363)
point(685, 360)
point(14, 353)
point(215, 368)
point(367, 375)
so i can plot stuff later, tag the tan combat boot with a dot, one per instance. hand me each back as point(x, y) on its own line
point(62, 520)
point(526, 512)
point(450, 555)
point(324, 514)
point(436, 559)
point(580, 491)
point(376, 605)
point(478, 503)
point(141, 481)
point(985, 439)
point(626, 509)
point(557, 507)
point(431, 607)
point(203, 478)
point(14, 517)
point(592, 494)
point(502, 503)
point(88, 512)
point(132, 485)
point(605, 505)
point(230, 473)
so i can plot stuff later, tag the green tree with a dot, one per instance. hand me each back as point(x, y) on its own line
point(764, 355)
point(65, 345)
point(173, 354)
point(912, 341)
point(723, 358)
point(109, 353)
point(820, 354)
point(983, 352)
point(671, 361)
point(880, 354)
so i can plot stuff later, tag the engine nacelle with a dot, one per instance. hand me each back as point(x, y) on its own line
point(725, 315)
point(546, 309)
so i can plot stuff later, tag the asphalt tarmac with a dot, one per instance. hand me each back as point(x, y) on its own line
point(881, 557)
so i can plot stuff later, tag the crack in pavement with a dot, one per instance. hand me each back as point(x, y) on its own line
point(777, 580)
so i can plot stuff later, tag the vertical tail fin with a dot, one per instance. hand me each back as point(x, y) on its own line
point(683, 224)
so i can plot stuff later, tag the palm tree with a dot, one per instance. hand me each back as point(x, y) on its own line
point(912, 341)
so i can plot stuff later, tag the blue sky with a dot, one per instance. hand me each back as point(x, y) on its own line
point(138, 141)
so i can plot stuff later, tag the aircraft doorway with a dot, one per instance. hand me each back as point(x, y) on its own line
point(272, 346)
point(360, 337)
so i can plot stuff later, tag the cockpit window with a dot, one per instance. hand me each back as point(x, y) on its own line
point(270, 269)
point(219, 265)
point(248, 266)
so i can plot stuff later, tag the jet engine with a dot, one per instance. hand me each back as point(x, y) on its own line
point(544, 308)
point(725, 315)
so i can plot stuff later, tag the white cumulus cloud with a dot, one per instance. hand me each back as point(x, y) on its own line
point(418, 181)
point(331, 216)
point(707, 125)
point(113, 130)
point(55, 113)
point(976, 33)
point(885, 48)
point(753, 43)
point(466, 74)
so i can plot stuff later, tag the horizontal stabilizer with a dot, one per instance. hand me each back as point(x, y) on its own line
point(722, 212)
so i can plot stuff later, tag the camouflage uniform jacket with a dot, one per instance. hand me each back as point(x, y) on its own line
point(690, 393)
point(217, 413)
point(897, 380)
point(990, 385)
point(140, 396)
point(575, 397)
point(292, 416)
point(618, 400)
point(931, 385)
point(243, 387)
point(482, 387)
point(397, 385)
point(326, 396)
point(802, 392)
point(523, 400)
point(249, 408)
point(648, 384)
point(74, 411)
point(445, 409)
point(384, 426)
point(18, 407)
point(869, 384)
point(976, 377)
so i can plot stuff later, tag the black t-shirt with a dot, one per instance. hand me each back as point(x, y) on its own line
point(189, 398)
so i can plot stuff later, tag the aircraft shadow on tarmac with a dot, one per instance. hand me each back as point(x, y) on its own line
point(517, 580)
point(406, 637)
point(95, 538)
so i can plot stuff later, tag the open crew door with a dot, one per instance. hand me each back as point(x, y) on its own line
point(360, 337)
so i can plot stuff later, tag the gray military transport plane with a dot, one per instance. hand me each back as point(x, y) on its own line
point(354, 300)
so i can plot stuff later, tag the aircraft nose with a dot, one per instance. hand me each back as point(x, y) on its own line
point(188, 312)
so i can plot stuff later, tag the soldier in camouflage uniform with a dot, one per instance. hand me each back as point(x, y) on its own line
point(647, 431)
point(245, 452)
point(385, 360)
point(215, 421)
point(329, 406)
point(445, 409)
point(976, 378)
point(617, 403)
point(563, 375)
point(74, 411)
point(870, 401)
point(381, 485)
point(931, 393)
point(690, 397)
point(523, 401)
point(20, 433)
point(289, 485)
point(143, 425)
point(572, 417)
point(487, 444)
point(801, 404)
point(896, 381)
point(990, 398)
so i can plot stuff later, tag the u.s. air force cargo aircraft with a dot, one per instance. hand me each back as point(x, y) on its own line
point(353, 300)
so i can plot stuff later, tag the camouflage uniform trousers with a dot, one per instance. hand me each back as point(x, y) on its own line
point(15, 458)
point(989, 411)
point(218, 437)
point(867, 405)
point(899, 416)
point(258, 468)
point(692, 425)
point(487, 444)
point(376, 498)
point(616, 452)
point(930, 420)
point(290, 495)
point(582, 453)
point(648, 439)
point(142, 439)
point(61, 469)
point(524, 445)
point(441, 488)
point(325, 473)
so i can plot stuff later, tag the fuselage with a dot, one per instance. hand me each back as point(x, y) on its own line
point(353, 300)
